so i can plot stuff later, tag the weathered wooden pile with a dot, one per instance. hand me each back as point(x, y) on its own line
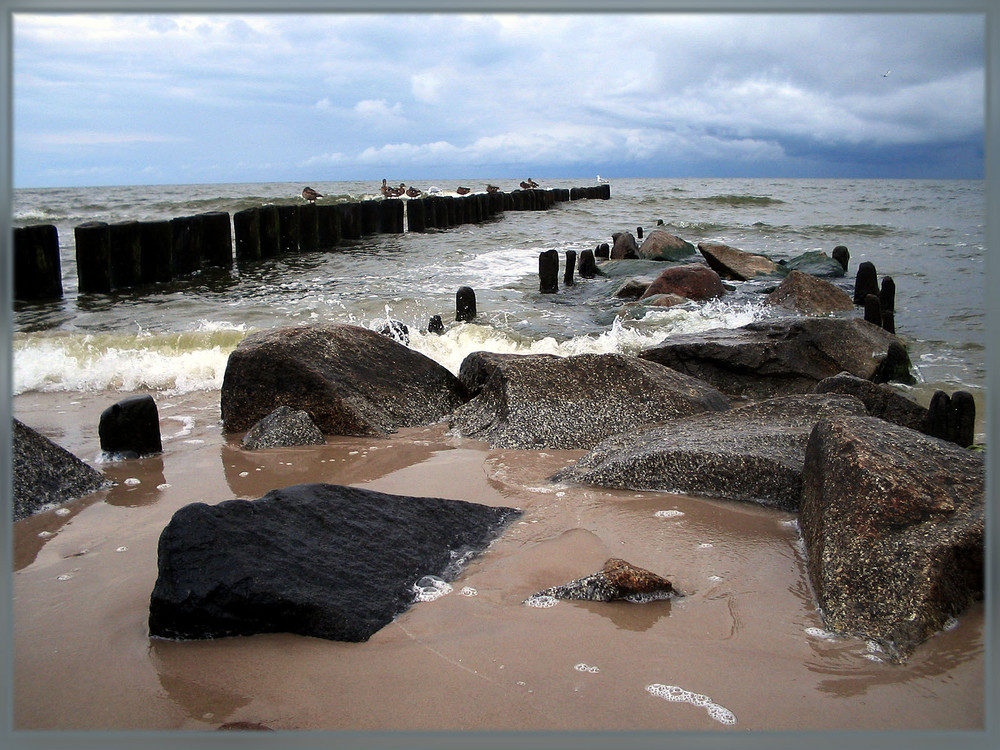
point(124, 255)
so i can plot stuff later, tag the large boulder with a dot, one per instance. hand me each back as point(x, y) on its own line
point(880, 400)
point(735, 264)
point(810, 295)
point(752, 453)
point(350, 380)
point(478, 367)
point(574, 402)
point(817, 263)
point(779, 357)
point(313, 559)
point(692, 280)
point(893, 526)
point(661, 245)
point(44, 473)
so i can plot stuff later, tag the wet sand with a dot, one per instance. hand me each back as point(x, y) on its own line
point(746, 635)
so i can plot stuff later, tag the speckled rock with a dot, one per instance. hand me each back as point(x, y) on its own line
point(661, 245)
point(753, 453)
point(772, 358)
point(810, 295)
point(283, 428)
point(893, 527)
point(351, 380)
point(880, 400)
point(574, 402)
point(735, 264)
point(478, 367)
point(321, 560)
point(618, 580)
point(44, 473)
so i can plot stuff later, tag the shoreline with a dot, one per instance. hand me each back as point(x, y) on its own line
point(462, 662)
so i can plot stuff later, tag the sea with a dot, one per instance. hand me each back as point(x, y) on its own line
point(175, 337)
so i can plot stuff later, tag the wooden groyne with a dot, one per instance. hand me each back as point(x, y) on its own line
point(127, 254)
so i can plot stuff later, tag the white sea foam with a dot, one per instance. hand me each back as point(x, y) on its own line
point(586, 668)
point(429, 588)
point(542, 602)
point(668, 513)
point(677, 694)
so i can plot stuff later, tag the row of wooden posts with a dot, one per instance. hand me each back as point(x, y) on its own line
point(127, 254)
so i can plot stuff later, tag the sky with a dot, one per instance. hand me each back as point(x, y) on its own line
point(136, 99)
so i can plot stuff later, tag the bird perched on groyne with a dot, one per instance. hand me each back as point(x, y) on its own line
point(310, 195)
point(462, 190)
point(412, 192)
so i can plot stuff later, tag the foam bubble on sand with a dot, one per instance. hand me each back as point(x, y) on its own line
point(468, 591)
point(541, 601)
point(668, 513)
point(586, 668)
point(820, 633)
point(132, 481)
point(678, 694)
point(429, 588)
point(62, 511)
point(163, 486)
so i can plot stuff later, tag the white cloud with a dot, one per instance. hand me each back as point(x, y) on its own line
point(378, 108)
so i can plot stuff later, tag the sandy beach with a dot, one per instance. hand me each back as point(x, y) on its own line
point(746, 636)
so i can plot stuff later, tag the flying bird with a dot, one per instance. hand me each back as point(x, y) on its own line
point(886, 74)
point(310, 195)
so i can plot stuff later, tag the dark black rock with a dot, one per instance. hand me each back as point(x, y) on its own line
point(44, 473)
point(893, 523)
point(887, 294)
point(397, 330)
point(478, 367)
point(952, 418)
point(131, 428)
point(602, 251)
point(282, 428)
point(752, 453)
point(314, 559)
point(625, 246)
point(532, 402)
point(588, 265)
point(894, 367)
point(465, 304)
point(435, 324)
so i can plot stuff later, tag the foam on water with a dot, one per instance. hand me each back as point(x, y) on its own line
point(541, 602)
point(668, 513)
point(677, 694)
point(429, 588)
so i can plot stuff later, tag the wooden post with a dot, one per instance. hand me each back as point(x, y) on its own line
point(465, 304)
point(217, 239)
point(570, 268)
point(126, 255)
point(390, 218)
point(93, 257)
point(308, 227)
point(548, 272)
point(187, 245)
point(415, 219)
point(329, 226)
point(369, 217)
point(288, 228)
point(37, 272)
point(156, 250)
point(246, 225)
point(270, 231)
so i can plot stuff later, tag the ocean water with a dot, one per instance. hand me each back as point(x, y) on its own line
point(176, 337)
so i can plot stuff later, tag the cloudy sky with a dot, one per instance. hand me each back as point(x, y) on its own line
point(146, 99)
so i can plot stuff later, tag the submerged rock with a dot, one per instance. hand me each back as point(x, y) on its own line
point(313, 559)
point(532, 402)
point(352, 381)
point(893, 525)
point(283, 428)
point(752, 453)
point(772, 358)
point(617, 580)
point(44, 473)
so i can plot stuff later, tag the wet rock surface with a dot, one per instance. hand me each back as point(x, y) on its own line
point(618, 580)
point(282, 428)
point(661, 245)
point(574, 402)
point(352, 381)
point(810, 295)
point(735, 264)
point(893, 526)
point(772, 358)
point(43, 473)
point(753, 453)
point(320, 560)
point(692, 280)
point(879, 399)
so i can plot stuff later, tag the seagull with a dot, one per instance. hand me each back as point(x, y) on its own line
point(886, 74)
point(310, 195)
point(601, 181)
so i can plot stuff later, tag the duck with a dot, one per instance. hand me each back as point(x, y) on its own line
point(310, 195)
point(386, 190)
point(492, 189)
point(525, 185)
point(412, 192)
point(462, 190)
point(532, 183)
